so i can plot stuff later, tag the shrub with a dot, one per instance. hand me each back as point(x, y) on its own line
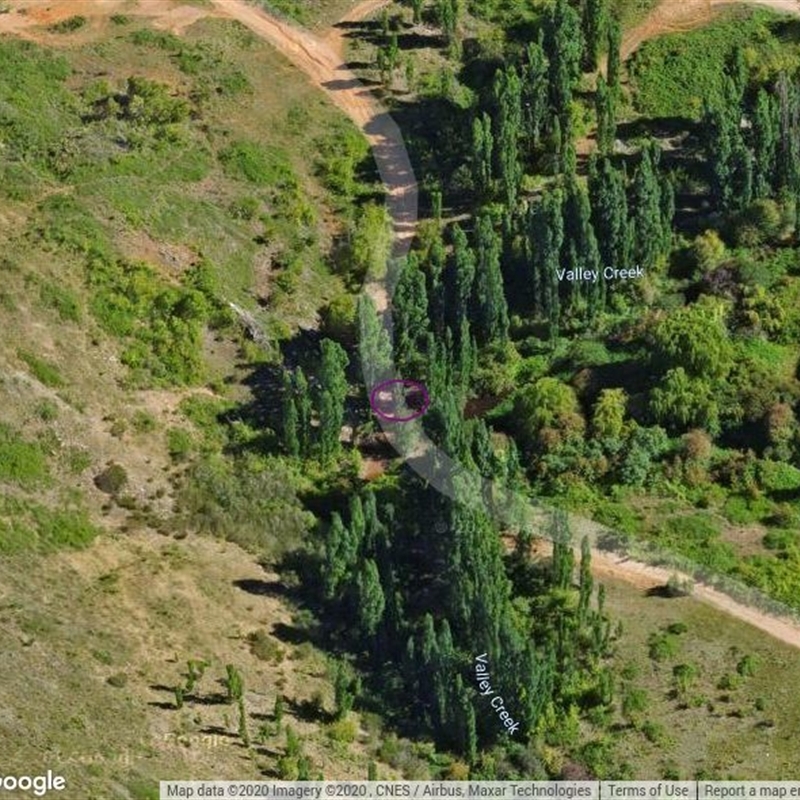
point(60, 300)
point(143, 422)
point(777, 476)
point(68, 25)
point(747, 666)
point(662, 646)
point(263, 646)
point(118, 680)
point(262, 165)
point(46, 410)
point(343, 730)
point(63, 528)
point(677, 628)
point(708, 250)
point(654, 732)
point(112, 479)
point(180, 443)
point(779, 539)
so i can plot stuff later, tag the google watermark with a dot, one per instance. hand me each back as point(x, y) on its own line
point(37, 785)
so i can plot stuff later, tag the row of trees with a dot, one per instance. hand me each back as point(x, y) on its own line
point(422, 588)
point(324, 405)
point(527, 116)
point(752, 140)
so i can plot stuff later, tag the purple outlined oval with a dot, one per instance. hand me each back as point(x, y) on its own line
point(413, 387)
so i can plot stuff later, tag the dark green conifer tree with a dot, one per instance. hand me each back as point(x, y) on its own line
point(595, 22)
point(489, 301)
point(563, 45)
point(613, 59)
point(535, 100)
point(609, 205)
point(647, 209)
point(507, 95)
point(606, 122)
point(371, 600)
point(764, 137)
point(482, 154)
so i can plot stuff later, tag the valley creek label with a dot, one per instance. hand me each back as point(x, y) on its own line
point(482, 676)
point(592, 275)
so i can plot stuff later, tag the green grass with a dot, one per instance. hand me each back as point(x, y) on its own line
point(675, 74)
point(26, 525)
point(21, 462)
point(778, 359)
point(38, 105)
point(706, 735)
point(258, 164)
point(61, 300)
point(44, 371)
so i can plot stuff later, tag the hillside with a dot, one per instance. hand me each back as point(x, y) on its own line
point(195, 489)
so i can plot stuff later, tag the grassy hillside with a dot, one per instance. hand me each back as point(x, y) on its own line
point(147, 181)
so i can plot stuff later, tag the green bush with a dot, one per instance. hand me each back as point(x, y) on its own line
point(32, 85)
point(60, 300)
point(263, 646)
point(163, 325)
point(46, 410)
point(248, 501)
point(260, 164)
point(68, 25)
point(777, 476)
point(744, 511)
point(180, 443)
point(64, 222)
point(780, 539)
point(31, 526)
point(143, 421)
point(662, 645)
point(675, 74)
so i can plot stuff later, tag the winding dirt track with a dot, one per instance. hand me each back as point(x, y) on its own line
point(322, 61)
point(673, 16)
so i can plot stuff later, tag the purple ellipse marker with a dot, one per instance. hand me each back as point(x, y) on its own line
point(415, 386)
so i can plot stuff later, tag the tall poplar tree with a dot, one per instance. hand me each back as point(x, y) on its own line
point(649, 235)
point(607, 193)
point(535, 100)
point(490, 308)
point(614, 39)
point(507, 95)
point(482, 153)
point(764, 136)
point(304, 411)
point(595, 21)
point(563, 46)
point(605, 111)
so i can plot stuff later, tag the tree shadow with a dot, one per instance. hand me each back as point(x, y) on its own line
point(264, 588)
point(309, 711)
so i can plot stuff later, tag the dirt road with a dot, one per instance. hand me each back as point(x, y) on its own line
point(645, 576)
point(674, 16)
